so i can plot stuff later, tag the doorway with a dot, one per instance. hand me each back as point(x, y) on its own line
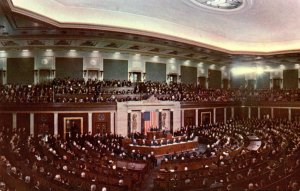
point(205, 118)
point(72, 126)
point(136, 76)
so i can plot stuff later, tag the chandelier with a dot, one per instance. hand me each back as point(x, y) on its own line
point(221, 4)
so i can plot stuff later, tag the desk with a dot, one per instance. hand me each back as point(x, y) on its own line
point(157, 134)
point(165, 149)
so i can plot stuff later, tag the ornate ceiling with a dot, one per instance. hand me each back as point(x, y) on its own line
point(260, 26)
point(253, 32)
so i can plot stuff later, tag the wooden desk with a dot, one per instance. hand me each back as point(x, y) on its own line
point(165, 149)
point(157, 134)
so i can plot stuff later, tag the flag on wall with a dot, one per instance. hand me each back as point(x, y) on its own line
point(150, 120)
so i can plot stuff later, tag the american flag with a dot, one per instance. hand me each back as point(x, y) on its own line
point(149, 120)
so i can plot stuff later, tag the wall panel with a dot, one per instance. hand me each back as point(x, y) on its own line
point(156, 72)
point(115, 69)
point(214, 79)
point(69, 67)
point(237, 81)
point(101, 123)
point(23, 121)
point(264, 112)
point(6, 120)
point(290, 79)
point(296, 114)
point(240, 112)
point(20, 70)
point(281, 113)
point(220, 115)
point(254, 112)
point(43, 123)
point(188, 75)
point(228, 113)
point(263, 81)
point(189, 117)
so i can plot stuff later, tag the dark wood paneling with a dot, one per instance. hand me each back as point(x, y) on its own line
point(240, 112)
point(61, 117)
point(6, 120)
point(295, 114)
point(228, 113)
point(23, 121)
point(43, 123)
point(100, 122)
point(189, 117)
point(264, 112)
point(220, 115)
point(281, 113)
point(254, 112)
point(57, 107)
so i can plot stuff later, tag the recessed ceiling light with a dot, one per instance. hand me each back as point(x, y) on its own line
point(72, 50)
point(49, 50)
point(25, 50)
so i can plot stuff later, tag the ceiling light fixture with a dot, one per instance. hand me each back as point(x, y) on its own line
point(220, 4)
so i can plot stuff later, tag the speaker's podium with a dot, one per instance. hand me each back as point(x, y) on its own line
point(161, 143)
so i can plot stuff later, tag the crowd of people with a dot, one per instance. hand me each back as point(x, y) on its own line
point(83, 162)
point(227, 163)
point(100, 161)
point(91, 91)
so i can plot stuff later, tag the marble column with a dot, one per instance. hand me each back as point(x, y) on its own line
point(171, 121)
point(14, 120)
point(182, 118)
point(112, 122)
point(272, 112)
point(142, 123)
point(225, 115)
point(129, 123)
point(197, 118)
point(31, 123)
point(55, 124)
point(159, 119)
point(215, 115)
point(249, 112)
point(90, 122)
